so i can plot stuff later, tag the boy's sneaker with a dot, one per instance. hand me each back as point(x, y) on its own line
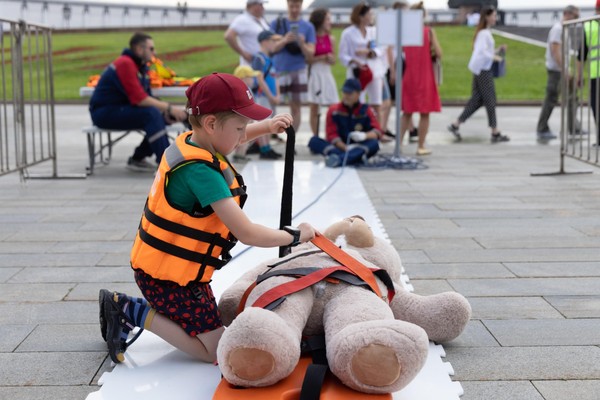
point(498, 137)
point(140, 165)
point(413, 135)
point(114, 324)
point(333, 160)
point(454, 130)
point(269, 155)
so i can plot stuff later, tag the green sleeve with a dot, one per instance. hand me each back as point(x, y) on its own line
point(196, 183)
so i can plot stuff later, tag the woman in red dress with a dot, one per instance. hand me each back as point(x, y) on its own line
point(419, 88)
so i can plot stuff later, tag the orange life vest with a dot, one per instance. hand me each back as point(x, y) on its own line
point(178, 246)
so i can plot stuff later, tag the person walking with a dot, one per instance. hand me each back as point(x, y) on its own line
point(242, 34)
point(419, 89)
point(483, 91)
point(322, 89)
point(554, 71)
point(123, 100)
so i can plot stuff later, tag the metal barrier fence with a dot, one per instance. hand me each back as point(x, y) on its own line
point(27, 124)
point(580, 87)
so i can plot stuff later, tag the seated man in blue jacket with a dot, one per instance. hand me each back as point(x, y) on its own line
point(351, 129)
point(123, 100)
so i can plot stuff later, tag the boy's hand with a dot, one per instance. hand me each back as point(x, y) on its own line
point(307, 232)
point(280, 122)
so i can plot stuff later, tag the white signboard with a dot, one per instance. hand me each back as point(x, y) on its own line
point(411, 27)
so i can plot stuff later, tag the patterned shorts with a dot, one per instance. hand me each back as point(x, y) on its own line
point(294, 85)
point(195, 314)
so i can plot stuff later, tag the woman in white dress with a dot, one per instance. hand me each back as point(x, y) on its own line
point(358, 47)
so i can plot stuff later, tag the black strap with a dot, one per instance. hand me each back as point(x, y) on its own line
point(285, 217)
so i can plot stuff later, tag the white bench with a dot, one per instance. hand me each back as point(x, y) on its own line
point(107, 138)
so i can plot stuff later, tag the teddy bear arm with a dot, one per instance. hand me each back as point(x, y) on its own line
point(443, 316)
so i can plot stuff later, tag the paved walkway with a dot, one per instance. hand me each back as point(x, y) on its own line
point(523, 249)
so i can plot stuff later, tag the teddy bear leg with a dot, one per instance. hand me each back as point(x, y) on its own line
point(261, 347)
point(367, 349)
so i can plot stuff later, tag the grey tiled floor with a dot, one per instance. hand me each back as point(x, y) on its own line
point(523, 249)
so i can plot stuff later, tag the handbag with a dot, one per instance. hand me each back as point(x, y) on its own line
point(436, 63)
point(364, 75)
point(499, 67)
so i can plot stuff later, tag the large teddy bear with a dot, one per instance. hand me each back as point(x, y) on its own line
point(372, 346)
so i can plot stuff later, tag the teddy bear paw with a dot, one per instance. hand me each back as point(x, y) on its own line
point(367, 365)
point(251, 364)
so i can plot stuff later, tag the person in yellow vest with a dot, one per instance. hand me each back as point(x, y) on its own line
point(591, 52)
point(192, 219)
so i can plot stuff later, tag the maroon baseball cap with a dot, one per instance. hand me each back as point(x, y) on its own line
point(220, 92)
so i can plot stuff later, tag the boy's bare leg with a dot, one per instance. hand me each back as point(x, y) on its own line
point(202, 347)
point(314, 118)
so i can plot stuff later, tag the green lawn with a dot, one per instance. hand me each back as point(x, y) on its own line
point(79, 55)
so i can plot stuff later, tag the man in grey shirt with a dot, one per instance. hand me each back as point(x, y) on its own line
point(554, 69)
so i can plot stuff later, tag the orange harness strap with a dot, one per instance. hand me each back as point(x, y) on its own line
point(347, 260)
point(296, 285)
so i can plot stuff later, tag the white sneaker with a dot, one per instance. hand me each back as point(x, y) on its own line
point(140, 165)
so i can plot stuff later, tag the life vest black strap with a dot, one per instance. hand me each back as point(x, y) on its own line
point(191, 233)
point(192, 256)
point(313, 382)
point(297, 272)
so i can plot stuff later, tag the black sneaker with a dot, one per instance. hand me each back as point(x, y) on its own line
point(413, 135)
point(498, 137)
point(253, 149)
point(113, 323)
point(270, 155)
point(389, 133)
point(140, 165)
point(454, 130)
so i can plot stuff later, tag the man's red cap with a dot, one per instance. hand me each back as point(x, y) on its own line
point(219, 92)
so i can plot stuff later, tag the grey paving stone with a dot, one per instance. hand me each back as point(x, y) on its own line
point(33, 292)
point(53, 236)
point(72, 274)
point(555, 269)
point(474, 335)
point(61, 312)
point(574, 332)
point(576, 306)
point(12, 335)
point(490, 390)
point(47, 392)
point(457, 270)
point(50, 260)
point(513, 255)
point(6, 273)
point(413, 256)
point(89, 291)
point(541, 241)
point(116, 259)
point(569, 389)
point(63, 338)
point(32, 369)
point(439, 243)
point(524, 363)
point(512, 308)
point(426, 287)
point(10, 247)
point(92, 247)
point(527, 286)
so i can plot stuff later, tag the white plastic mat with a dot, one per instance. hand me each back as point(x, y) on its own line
point(154, 370)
